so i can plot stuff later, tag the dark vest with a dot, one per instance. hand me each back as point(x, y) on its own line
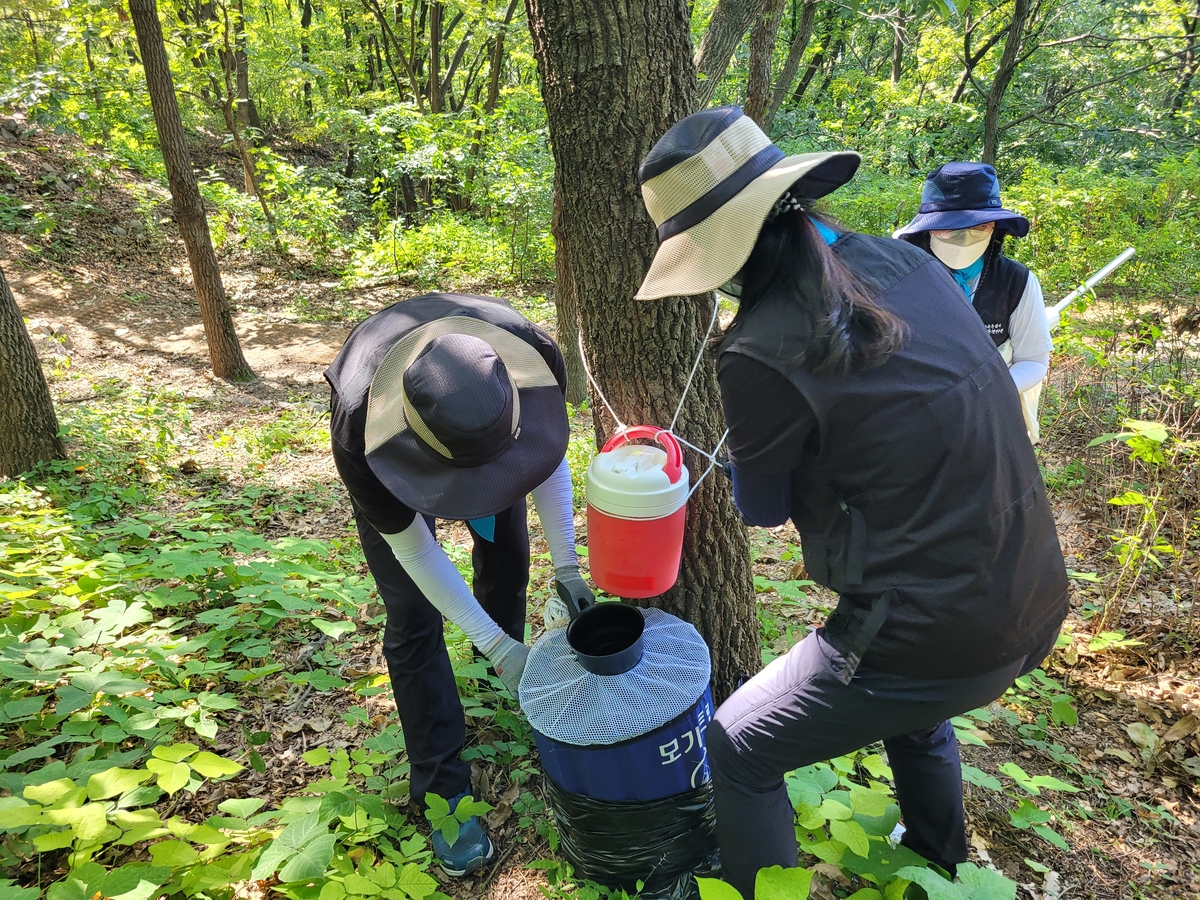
point(1001, 285)
point(922, 504)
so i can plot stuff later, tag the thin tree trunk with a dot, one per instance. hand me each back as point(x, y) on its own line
point(762, 51)
point(28, 426)
point(247, 112)
point(435, 57)
point(225, 352)
point(37, 53)
point(1189, 63)
point(566, 307)
point(306, 15)
point(87, 53)
point(634, 56)
point(796, 52)
point(726, 27)
point(1004, 73)
point(818, 60)
point(899, 37)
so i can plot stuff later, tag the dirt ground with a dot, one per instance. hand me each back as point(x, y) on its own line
point(112, 300)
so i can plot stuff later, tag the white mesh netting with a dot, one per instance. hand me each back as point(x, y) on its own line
point(567, 703)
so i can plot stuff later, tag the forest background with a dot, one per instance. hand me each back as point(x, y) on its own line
point(188, 578)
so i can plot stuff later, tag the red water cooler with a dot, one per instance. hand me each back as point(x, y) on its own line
point(636, 505)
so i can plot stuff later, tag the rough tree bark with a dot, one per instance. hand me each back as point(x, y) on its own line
point(566, 307)
point(1014, 36)
point(224, 350)
point(28, 427)
point(247, 112)
point(615, 75)
point(726, 27)
point(899, 38)
point(762, 51)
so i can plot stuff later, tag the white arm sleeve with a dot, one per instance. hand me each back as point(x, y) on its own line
point(431, 570)
point(1027, 373)
point(552, 500)
point(1028, 327)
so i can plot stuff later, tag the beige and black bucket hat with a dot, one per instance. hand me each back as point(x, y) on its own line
point(708, 184)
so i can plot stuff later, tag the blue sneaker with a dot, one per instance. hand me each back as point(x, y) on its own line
point(470, 852)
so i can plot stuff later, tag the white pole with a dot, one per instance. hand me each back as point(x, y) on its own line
point(1054, 312)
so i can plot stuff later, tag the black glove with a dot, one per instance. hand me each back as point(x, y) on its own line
point(573, 589)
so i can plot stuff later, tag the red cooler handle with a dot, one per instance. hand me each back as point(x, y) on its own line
point(674, 466)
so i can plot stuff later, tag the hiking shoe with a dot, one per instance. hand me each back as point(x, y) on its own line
point(470, 852)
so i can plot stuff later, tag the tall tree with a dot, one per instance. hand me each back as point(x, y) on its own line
point(28, 427)
point(726, 27)
point(224, 350)
point(1013, 39)
point(615, 75)
point(762, 51)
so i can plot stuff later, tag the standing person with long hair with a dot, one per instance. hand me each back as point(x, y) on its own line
point(963, 223)
point(865, 403)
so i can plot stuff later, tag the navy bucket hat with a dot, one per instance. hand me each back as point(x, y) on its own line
point(961, 195)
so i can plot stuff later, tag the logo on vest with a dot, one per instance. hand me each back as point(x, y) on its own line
point(994, 329)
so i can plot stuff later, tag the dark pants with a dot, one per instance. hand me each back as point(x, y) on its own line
point(796, 712)
point(414, 645)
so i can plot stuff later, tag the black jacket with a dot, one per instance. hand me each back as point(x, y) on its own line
point(918, 497)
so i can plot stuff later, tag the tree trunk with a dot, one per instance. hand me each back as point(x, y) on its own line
point(762, 52)
point(899, 36)
point(1004, 74)
point(224, 350)
point(796, 51)
point(28, 427)
point(726, 26)
point(435, 57)
point(566, 307)
point(247, 112)
point(37, 53)
point(306, 14)
point(615, 75)
point(1189, 62)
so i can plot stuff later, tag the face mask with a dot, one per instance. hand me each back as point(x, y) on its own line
point(960, 248)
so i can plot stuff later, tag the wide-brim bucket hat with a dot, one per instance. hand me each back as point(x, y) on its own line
point(464, 418)
point(709, 184)
point(961, 195)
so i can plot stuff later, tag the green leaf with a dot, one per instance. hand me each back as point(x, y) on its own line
point(361, 885)
point(332, 890)
point(1052, 836)
point(980, 778)
point(869, 802)
point(778, 883)
point(883, 862)
point(1050, 783)
point(14, 817)
point(171, 776)
point(1142, 735)
point(875, 766)
point(173, 853)
point(134, 881)
point(866, 894)
point(212, 766)
point(834, 811)
point(317, 756)
point(112, 782)
point(985, 884)
point(417, 884)
point(1062, 711)
point(54, 840)
point(243, 807)
point(290, 840)
point(937, 887)
point(49, 792)
point(333, 629)
point(852, 835)
point(716, 889)
point(310, 860)
point(174, 752)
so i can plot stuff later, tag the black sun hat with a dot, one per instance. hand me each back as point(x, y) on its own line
point(464, 418)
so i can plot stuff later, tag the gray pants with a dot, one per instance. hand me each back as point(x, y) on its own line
point(796, 712)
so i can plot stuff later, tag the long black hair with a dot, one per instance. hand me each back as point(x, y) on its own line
point(847, 330)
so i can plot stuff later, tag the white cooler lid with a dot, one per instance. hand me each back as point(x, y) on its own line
point(629, 483)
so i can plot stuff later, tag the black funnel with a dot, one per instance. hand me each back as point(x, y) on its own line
point(607, 638)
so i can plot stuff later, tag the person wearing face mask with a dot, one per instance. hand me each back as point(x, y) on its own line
point(963, 223)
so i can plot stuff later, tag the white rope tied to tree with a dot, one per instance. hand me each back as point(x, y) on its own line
point(622, 427)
